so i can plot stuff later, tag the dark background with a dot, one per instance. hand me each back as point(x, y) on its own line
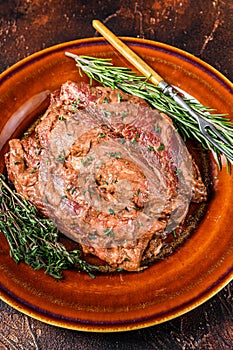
point(201, 27)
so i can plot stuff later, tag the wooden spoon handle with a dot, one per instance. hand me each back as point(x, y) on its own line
point(130, 55)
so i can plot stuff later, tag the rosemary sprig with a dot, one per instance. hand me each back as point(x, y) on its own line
point(104, 72)
point(33, 239)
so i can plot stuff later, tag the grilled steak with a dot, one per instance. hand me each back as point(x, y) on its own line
point(112, 172)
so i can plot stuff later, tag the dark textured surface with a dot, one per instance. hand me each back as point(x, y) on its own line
point(203, 28)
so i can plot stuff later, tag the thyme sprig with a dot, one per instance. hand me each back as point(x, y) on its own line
point(103, 71)
point(33, 239)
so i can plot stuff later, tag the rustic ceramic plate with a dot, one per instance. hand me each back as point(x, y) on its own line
point(194, 273)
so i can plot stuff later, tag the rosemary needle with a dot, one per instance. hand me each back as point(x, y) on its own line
point(103, 71)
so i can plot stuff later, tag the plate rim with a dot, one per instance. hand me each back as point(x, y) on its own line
point(127, 39)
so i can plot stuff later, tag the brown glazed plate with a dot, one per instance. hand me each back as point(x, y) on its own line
point(195, 272)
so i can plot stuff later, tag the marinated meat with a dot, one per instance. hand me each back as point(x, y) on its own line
point(111, 171)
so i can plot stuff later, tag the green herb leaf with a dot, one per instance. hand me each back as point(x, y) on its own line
point(116, 155)
point(111, 211)
point(108, 232)
point(161, 147)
